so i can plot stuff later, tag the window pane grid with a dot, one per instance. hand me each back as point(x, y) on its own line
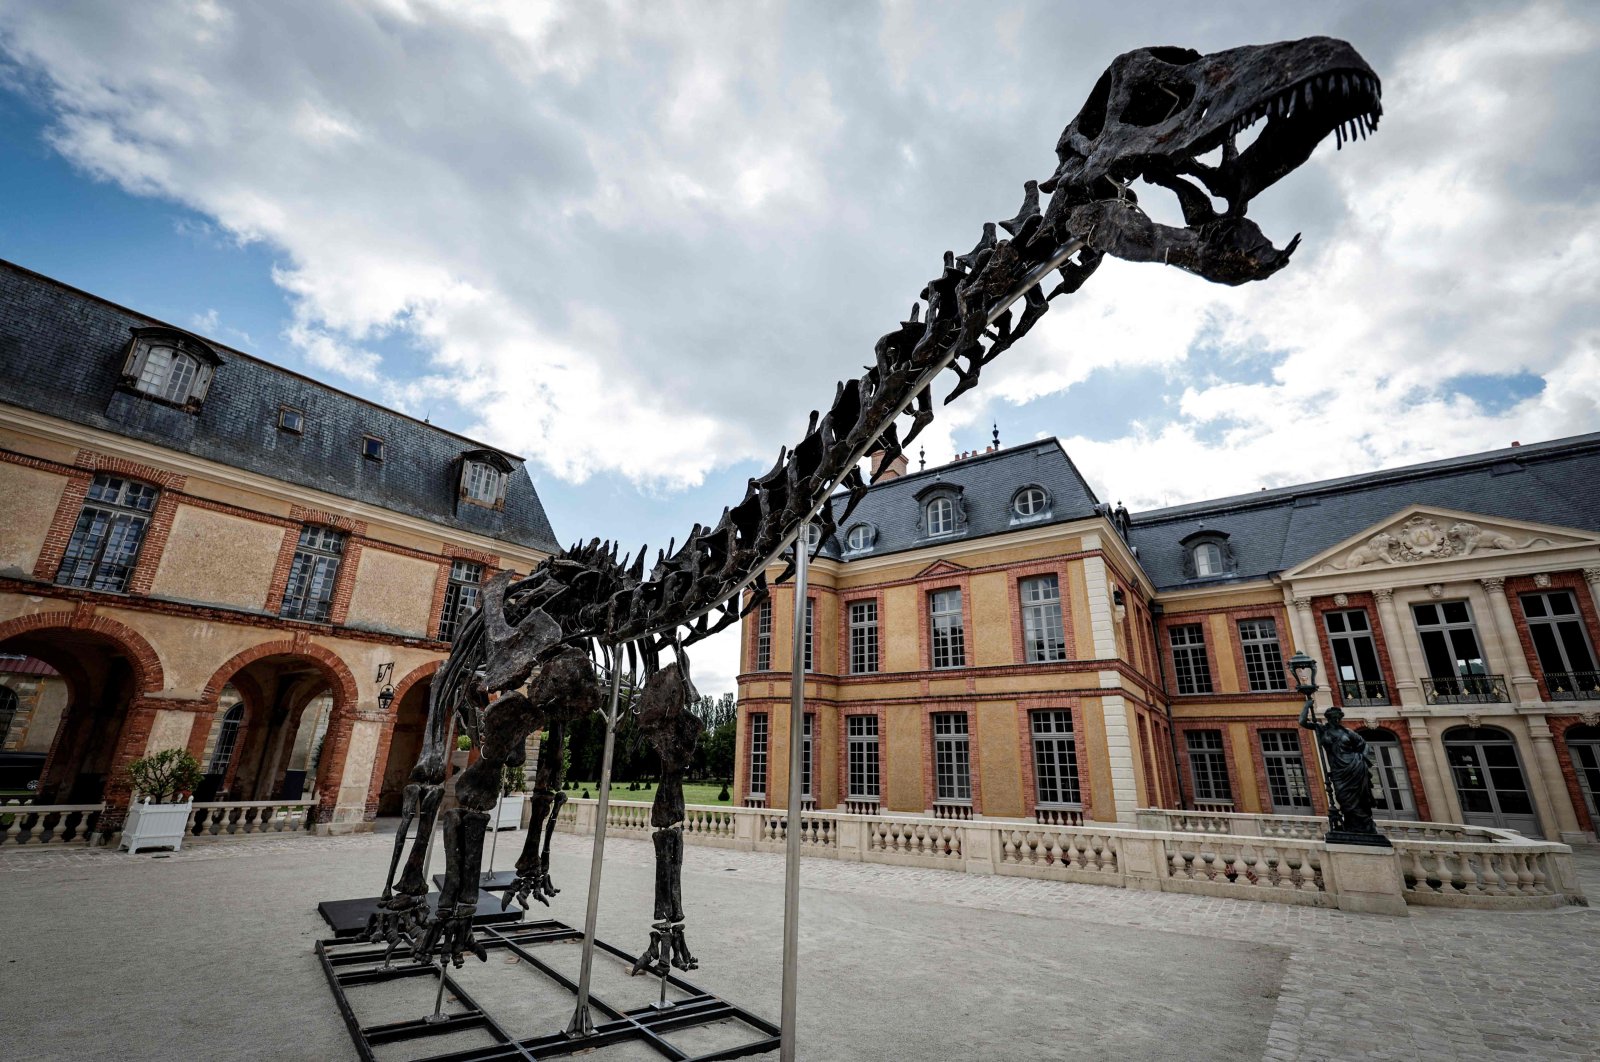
point(1043, 636)
point(941, 516)
point(1055, 758)
point(758, 754)
point(805, 760)
point(1189, 665)
point(483, 482)
point(309, 593)
point(861, 755)
point(764, 636)
point(1263, 660)
point(809, 626)
point(1208, 765)
point(1561, 644)
point(863, 637)
point(947, 634)
point(105, 541)
point(460, 597)
point(952, 764)
point(1286, 770)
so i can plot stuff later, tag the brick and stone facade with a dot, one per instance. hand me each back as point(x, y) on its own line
point(198, 624)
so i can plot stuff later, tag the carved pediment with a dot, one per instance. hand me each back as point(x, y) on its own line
point(942, 567)
point(1420, 536)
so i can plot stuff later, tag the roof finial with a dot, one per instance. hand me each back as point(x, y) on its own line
point(997, 435)
point(922, 458)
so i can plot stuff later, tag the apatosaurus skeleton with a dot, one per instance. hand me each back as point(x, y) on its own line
point(1152, 115)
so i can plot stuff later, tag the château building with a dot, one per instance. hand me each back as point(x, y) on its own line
point(989, 639)
point(204, 550)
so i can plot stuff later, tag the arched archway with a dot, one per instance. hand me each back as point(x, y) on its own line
point(106, 668)
point(410, 717)
point(1489, 779)
point(279, 683)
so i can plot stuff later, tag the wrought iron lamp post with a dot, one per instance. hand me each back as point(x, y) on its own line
point(386, 694)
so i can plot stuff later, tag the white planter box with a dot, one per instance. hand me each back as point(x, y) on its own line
point(508, 813)
point(156, 826)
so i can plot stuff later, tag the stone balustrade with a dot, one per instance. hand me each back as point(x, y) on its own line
point(234, 818)
point(1276, 859)
point(41, 824)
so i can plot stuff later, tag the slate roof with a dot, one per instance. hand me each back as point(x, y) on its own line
point(1273, 530)
point(61, 354)
point(986, 485)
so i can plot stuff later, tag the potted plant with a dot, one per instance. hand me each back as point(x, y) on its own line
point(163, 789)
point(513, 790)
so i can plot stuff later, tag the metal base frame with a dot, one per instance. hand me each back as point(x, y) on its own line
point(347, 965)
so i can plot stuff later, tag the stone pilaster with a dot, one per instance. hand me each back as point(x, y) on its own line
point(1402, 657)
point(1524, 688)
point(1436, 786)
point(1552, 783)
point(1304, 628)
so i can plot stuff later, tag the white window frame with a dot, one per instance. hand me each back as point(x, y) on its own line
point(941, 516)
point(863, 617)
point(1208, 560)
point(1044, 634)
point(482, 482)
point(1055, 759)
point(947, 634)
point(952, 759)
point(763, 660)
point(759, 747)
point(863, 766)
point(1030, 502)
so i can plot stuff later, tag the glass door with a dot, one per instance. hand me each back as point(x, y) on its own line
point(1391, 783)
point(1489, 780)
point(1583, 742)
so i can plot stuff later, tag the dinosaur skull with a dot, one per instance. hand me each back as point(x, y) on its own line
point(1156, 112)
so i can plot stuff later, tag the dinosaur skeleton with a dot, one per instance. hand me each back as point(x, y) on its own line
point(526, 660)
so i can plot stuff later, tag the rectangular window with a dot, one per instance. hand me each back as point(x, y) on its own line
point(1562, 645)
point(105, 541)
point(1355, 658)
point(1263, 661)
point(863, 637)
point(758, 754)
point(1208, 766)
point(861, 753)
point(805, 759)
point(947, 635)
point(309, 595)
point(1286, 772)
point(460, 597)
point(291, 420)
point(1449, 639)
point(1043, 638)
point(952, 761)
point(764, 636)
point(1189, 664)
point(1055, 757)
point(372, 448)
point(482, 482)
point(809, 626)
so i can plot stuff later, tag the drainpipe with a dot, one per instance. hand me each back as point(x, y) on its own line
point(1161, 668)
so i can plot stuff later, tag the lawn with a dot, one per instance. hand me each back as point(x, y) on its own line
point(693, 792)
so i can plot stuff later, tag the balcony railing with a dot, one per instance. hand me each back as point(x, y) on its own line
point(1465, 689)
point(1363, 693)
point(1573, 685)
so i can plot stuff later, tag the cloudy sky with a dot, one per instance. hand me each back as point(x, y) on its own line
point(638, 243)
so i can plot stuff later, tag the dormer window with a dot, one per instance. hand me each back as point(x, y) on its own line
point(484, 475)
point(291, 420)
point(1207, 554)
point(169, 366)
point(860, 537)
point(813, 536)
point(372, 448)
point(1030, 501)
point(942, 513)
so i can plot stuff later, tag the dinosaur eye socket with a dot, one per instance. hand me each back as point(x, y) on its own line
point(1152, 102)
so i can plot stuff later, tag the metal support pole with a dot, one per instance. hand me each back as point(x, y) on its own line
point(438, 1015)
point(791, 866)
point(582, 1023)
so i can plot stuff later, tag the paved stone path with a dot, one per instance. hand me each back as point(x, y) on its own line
point(207, 952)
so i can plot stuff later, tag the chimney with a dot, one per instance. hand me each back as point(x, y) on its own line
point(896, 469)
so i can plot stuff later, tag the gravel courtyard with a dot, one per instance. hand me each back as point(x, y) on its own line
point(208, 954)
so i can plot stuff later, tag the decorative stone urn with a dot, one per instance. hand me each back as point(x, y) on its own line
point(156, 825)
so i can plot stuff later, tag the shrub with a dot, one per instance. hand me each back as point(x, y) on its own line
point(463, 742)
point(722, 796)
point(165, 777)
point(512, 780)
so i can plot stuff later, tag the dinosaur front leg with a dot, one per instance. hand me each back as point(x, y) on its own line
point(449, 932)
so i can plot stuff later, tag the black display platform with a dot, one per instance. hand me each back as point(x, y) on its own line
point(349, 917)
point(498, 881)
point(350, 965)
